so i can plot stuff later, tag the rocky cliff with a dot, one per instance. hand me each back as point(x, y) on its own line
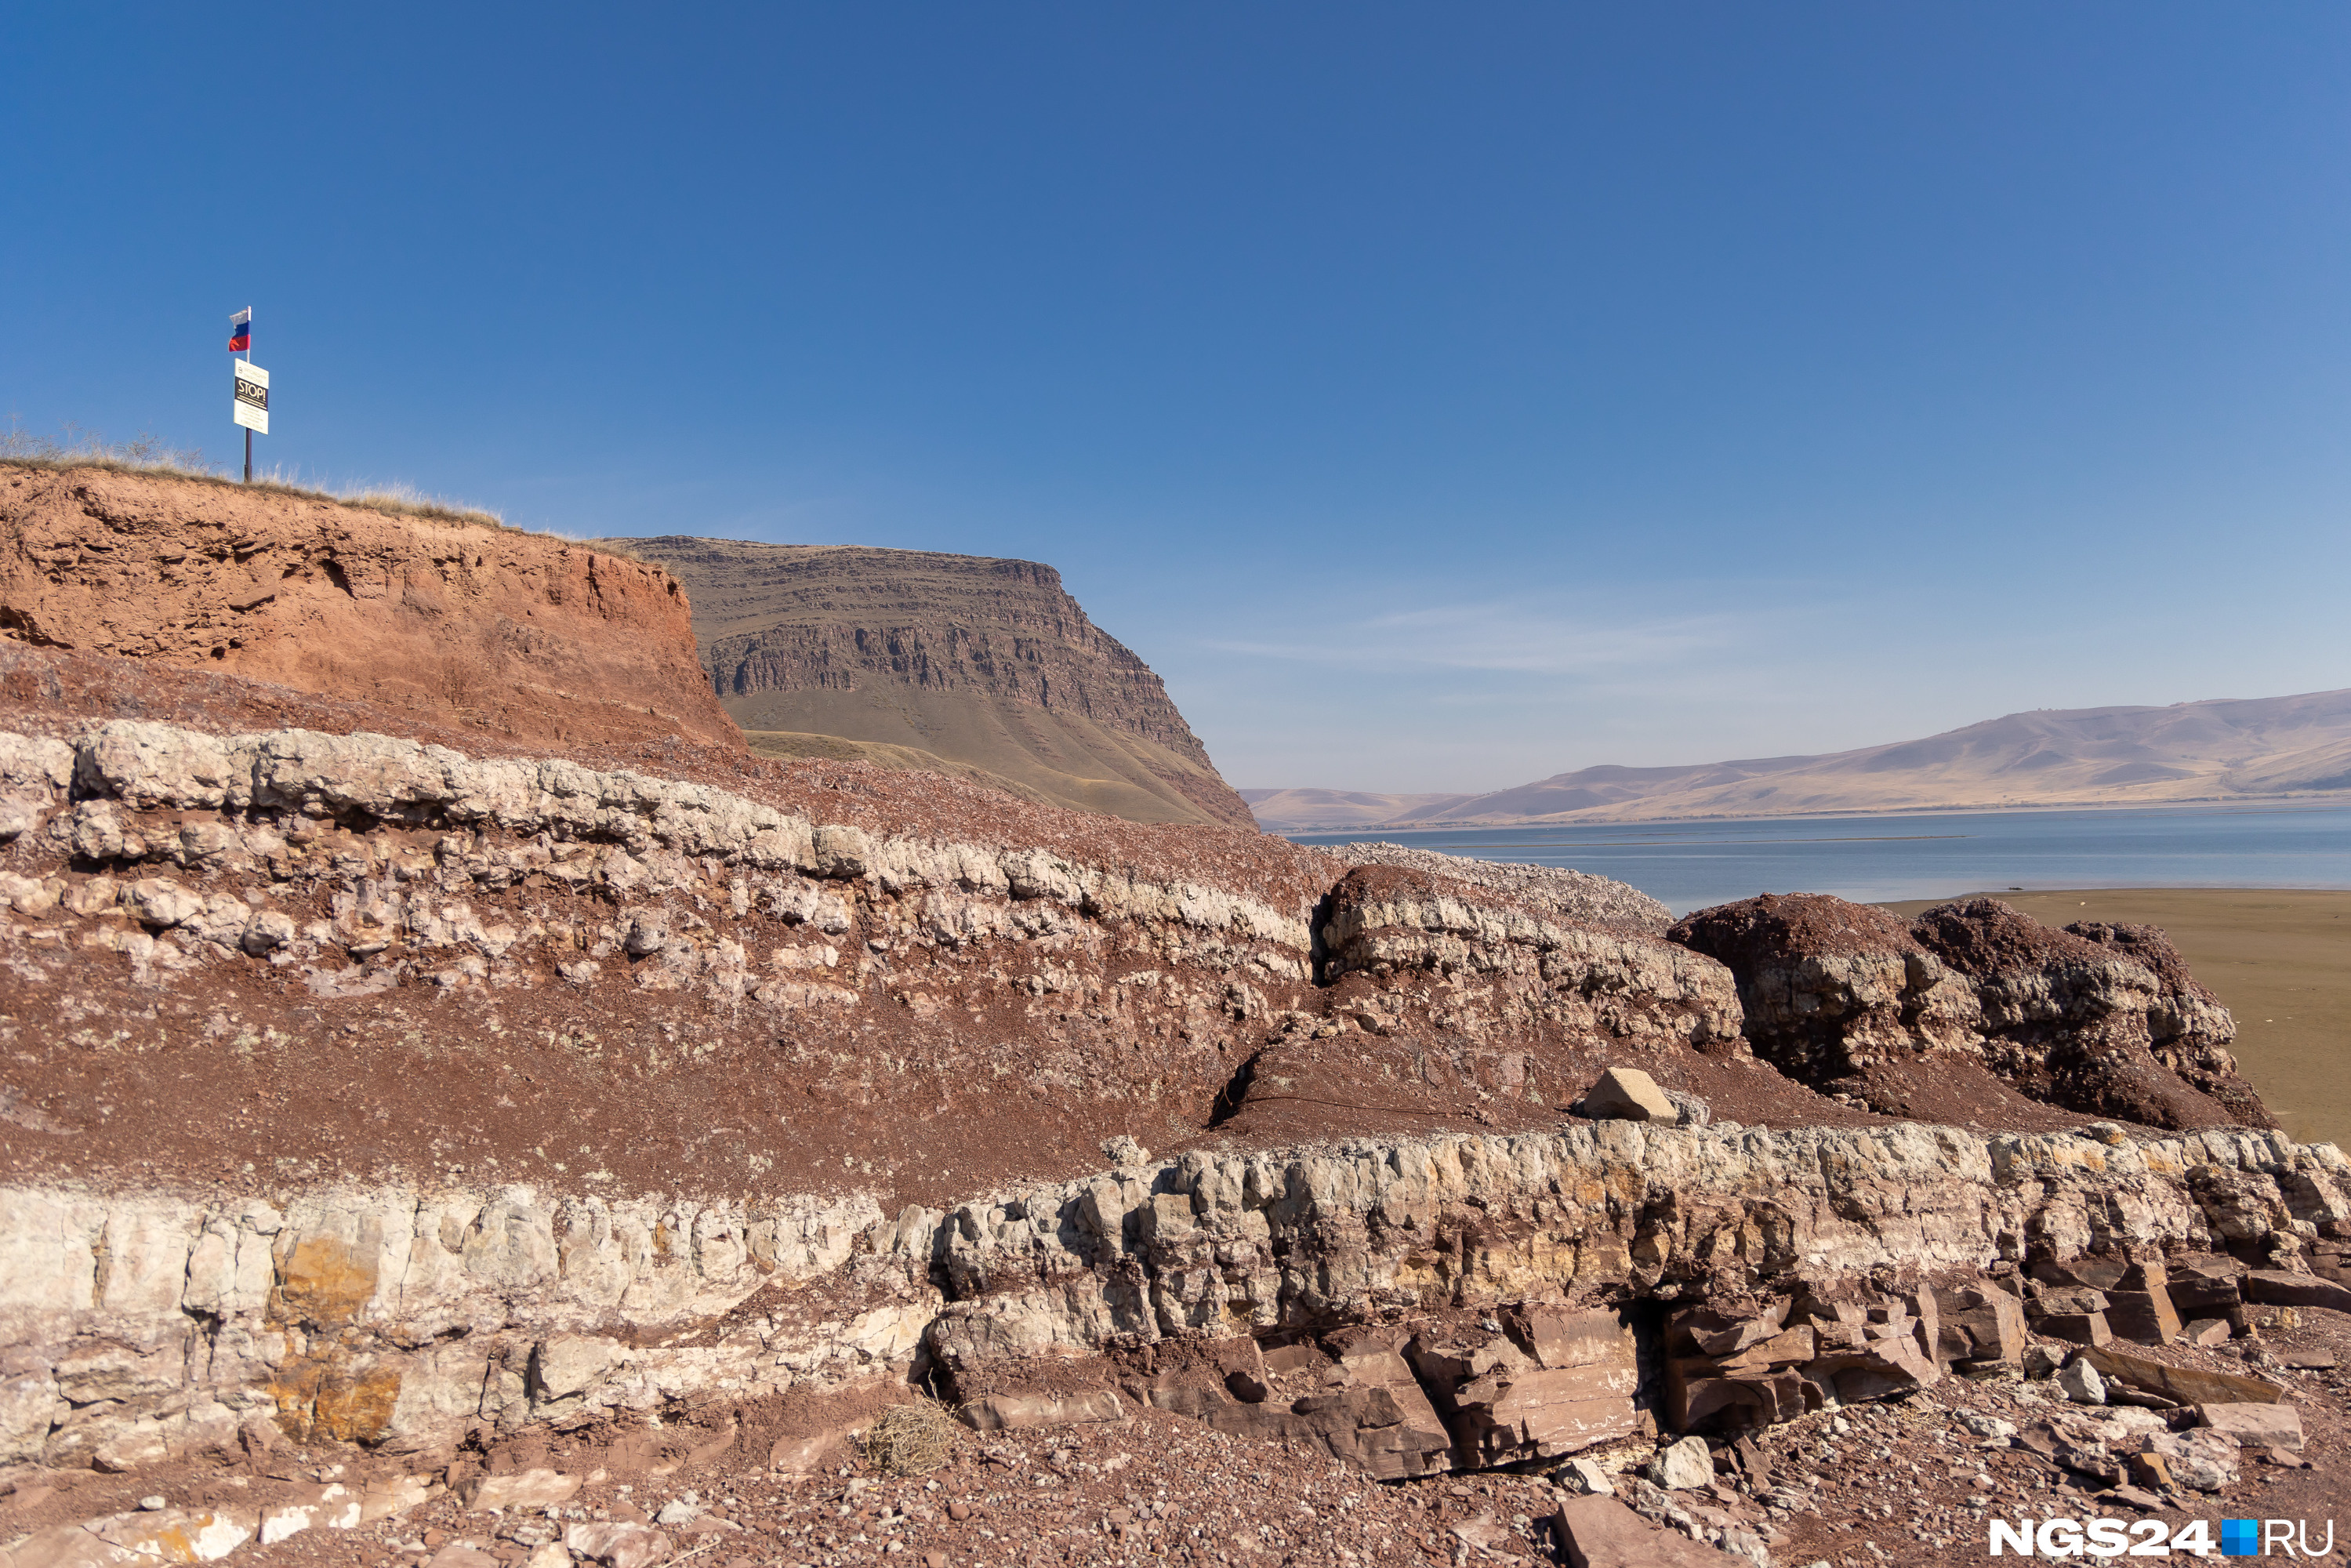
point(285, 1001)
point(520, 634)
point(429, 1100)
point(918, 658)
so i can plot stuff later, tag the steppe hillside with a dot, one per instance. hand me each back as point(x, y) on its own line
point(981, 668)
point(2265, 749)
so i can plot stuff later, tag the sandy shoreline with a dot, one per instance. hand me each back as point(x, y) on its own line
point(2281, 961)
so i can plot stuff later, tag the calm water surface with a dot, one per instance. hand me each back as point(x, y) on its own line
point(1876, 860)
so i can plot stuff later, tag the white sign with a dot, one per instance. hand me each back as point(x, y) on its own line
point(252, 397)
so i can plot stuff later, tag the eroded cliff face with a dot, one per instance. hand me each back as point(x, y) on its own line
point(262, 890)
point(701, 976)
point(520, 633)
point(391, 1094)
point(983, 662)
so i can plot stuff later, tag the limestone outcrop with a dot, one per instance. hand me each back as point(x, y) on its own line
point(1413, 1304)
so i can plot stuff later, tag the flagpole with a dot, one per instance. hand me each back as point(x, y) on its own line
point(247, 357)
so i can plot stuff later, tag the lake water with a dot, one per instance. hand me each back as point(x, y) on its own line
point(1878, 860)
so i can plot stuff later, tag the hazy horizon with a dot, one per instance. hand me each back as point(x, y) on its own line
point(1438, 400)
point(1257, 788)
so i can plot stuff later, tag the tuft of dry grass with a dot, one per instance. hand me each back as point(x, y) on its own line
point(143, 453)
point(910, 1439)
point(148, 455)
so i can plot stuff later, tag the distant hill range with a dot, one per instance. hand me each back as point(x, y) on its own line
point(979, 668)
point(2263, 748)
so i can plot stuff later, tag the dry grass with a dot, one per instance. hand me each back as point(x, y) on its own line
point(911, 1439)
point(147, 455)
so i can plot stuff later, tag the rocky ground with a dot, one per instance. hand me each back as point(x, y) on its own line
point(1908, 1482)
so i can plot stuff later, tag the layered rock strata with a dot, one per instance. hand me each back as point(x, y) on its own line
point(913, 654)
point(1574, 897)
point(2097, 1021)
point(1413, 1305)
point(259, 889)
point(288, 876)
point(384, 1093)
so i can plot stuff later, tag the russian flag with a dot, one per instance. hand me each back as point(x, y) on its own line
point(240, 331)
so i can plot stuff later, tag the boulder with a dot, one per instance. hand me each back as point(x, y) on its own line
point(808, 1455)
point(1583, 1478)
point(1379, 1430)
point(1699, 1402)
point(1976, 1324)
point(1564, 1382)
point(1710, 1332)
point(1600, 1532)
point(2080, 1328)
point(2081, 1383)
point(169, 1535)
point(1629, 1094)
point(618, 1545)
point(2203, 1460)
point(1681, 1466)
point(2277, 1426)
point(524, 1489)
point(2181, 1385)
point(2273, 1288)
point(2142, 1310)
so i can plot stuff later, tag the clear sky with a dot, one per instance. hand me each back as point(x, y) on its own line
point(1438, 396)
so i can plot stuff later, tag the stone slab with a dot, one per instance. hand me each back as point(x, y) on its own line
point(1600, 1532)
point(2184, 1384)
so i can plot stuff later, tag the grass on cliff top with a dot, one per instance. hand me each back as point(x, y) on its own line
point(146, 455)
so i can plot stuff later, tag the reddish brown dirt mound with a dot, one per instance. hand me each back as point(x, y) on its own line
point(1814, 924)
point(466, 623)
point(1954, 1014)
point(1983, 937)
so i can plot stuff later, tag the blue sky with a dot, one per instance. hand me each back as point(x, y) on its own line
point(1439, 397)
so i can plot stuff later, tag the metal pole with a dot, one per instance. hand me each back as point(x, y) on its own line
point(248, 454)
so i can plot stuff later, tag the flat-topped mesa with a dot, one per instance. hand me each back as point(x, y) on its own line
point(918, 658)
point(1850, 999)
